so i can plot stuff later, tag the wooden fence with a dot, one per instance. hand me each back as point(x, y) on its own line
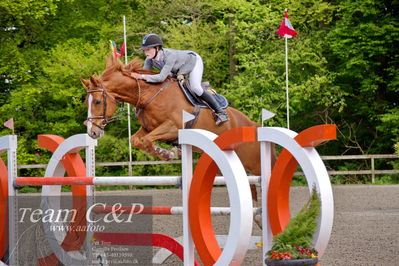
point(372, 171)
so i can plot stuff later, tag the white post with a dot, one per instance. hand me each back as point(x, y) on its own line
point(266, 170)
point(372, 170)
point(187, 174)
point(286, 81)
point(90, 171)
point(129, 130)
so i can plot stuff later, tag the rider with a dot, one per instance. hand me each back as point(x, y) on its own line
point(177, 62)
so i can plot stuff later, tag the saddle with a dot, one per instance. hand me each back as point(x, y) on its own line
point(194, 100)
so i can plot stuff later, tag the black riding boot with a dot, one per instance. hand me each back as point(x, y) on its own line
point(221, 115)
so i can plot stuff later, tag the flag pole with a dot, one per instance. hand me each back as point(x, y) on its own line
point(287, 31)
point(286, 81)
point(128, 105)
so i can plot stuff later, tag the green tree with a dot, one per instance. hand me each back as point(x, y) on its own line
point(46, 47)
point(362, 51)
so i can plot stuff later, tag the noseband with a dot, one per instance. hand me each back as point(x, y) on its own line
point(105, 121)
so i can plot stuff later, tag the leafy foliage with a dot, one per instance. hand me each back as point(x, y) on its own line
point(299, 232)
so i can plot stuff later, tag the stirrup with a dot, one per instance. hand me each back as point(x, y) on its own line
point(221, 117)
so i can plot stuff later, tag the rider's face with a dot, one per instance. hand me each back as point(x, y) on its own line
point(150, 52)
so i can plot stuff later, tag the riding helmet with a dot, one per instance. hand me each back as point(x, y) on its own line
point(151, 40)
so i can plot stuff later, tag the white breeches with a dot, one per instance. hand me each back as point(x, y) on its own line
point(196, 76)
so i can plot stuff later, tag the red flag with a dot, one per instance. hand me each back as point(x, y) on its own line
point(286, 29)
point(123, 49)
point(10, 123)
point(115, 49)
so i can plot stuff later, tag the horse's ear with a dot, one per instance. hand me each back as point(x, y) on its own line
point(111, 60)
point(93, 81)
point(86, 83)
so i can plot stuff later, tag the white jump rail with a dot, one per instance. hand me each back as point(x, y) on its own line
point(161, 210)
point(115, 180)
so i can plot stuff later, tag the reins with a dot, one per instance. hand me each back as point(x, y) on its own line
point(139, 109)
point(139, 97)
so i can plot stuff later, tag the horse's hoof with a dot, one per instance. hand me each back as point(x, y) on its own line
point(165, 154)
point(174, 153)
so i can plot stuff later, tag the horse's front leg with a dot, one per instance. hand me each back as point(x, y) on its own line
point(145, 140)
point(139, 142)
point(137, 139)
point(164, 132)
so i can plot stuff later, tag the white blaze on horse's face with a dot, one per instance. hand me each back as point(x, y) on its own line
point(93, 129)
point(88, 121)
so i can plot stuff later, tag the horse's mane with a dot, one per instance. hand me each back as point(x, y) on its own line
point(114, 64)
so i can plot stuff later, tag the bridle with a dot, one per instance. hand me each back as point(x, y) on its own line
point(119, 115)
point(105, 121)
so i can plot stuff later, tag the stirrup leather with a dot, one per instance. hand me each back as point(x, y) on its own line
point(220, 117)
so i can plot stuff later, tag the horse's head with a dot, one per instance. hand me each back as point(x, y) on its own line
point(103, 93)
point(101, 106)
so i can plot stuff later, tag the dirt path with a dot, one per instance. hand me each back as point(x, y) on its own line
point(365, 231)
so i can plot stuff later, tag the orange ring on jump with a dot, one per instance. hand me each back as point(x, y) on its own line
point(283, 172)
point(200, 194)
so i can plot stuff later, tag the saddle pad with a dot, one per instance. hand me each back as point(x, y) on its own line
point(219, 98)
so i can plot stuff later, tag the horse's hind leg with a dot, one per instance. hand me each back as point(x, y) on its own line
point(254, 193)
point(255, 203)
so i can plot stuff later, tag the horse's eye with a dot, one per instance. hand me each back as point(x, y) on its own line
point(97, 102)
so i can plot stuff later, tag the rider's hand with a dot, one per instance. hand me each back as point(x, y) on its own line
point(137, 76)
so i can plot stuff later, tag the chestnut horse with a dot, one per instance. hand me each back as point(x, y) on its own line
point(160, 114)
